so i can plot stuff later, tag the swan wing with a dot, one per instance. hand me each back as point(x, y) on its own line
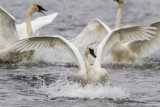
point(36, 25)
point(8, 33)
point(127, 33)
point(147, 47)
point(49, 42)
point(96, 30)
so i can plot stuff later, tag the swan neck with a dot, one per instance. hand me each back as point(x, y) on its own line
point(119, 15)
point(88, 66)
point(28, 23)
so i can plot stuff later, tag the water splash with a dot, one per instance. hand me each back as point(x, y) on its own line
point(51, 56)
point(69, 89)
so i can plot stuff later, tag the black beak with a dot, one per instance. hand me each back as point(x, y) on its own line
point(41, 9)
point(92, 52)
point(117, 1)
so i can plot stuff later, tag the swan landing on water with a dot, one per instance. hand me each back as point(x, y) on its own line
point(11, 32)
point(120, 51)
point(87, 74)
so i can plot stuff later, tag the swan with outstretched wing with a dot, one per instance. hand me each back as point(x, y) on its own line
point(10, 32)
point(120, 51)
point(37, 24)
point(88, 74)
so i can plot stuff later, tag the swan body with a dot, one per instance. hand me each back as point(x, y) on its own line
point(120, 51)
point(87, 74)
point(92, 76)
point(10, 32)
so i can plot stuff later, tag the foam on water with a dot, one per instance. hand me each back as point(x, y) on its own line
point(65, 88)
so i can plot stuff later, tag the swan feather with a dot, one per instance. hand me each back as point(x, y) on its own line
point(8, 33)
point(96, 30)
point(147, 47)
point(36, 25)
point(126, 33)
point(34, 43)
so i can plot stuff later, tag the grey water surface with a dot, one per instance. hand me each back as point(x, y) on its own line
point(52, 84)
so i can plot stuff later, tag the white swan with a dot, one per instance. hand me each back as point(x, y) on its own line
point(14, 57)
point(95, 31)
point(37, 24)
point(120, 51)
point(87, 74)
point(10, 32)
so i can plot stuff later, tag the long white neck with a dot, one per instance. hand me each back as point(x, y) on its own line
point(28, 23)
point(88, 66)
point(119, 15)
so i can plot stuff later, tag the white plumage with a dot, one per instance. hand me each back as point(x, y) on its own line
point(87, 74)
point(10, 32)
point(120, 51)
point(37, 24)
point(94, 31)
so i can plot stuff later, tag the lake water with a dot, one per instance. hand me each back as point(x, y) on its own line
point(52, 83)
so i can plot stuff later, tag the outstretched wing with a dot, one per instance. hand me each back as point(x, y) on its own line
point(96, 30)
point(147, 47)
point(49, 42)
point(128, 33)
point(36, 25)
point(8, 33)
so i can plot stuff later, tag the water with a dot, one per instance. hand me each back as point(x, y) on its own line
point(52, 84)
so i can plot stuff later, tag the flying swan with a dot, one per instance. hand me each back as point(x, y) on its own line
point(10, 32)
point(87, 74)
point(120, 51)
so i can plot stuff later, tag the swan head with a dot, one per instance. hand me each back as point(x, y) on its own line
point(119, 1)
point(90, 50)
point(37, 8)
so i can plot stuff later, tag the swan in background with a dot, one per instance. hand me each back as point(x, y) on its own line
point(37, 24)
point(87, 74)
point(10, 32)
point(14, 57)
point(33, 8)
point(120, 51)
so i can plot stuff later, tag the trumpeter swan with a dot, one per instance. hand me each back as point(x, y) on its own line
point(10, 32)
point(14, 57)
point(33, 8)
point(120, 51)
point(87, 74)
